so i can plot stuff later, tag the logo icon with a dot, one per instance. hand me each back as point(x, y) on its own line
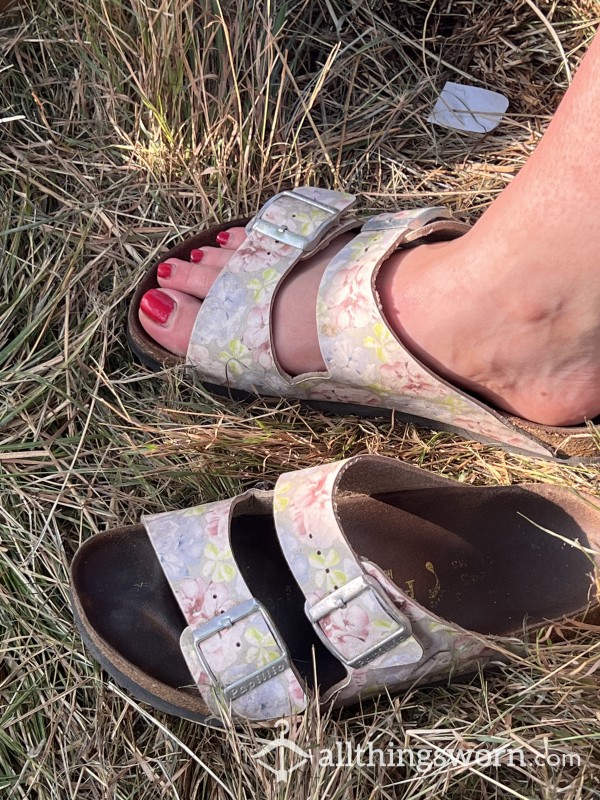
point(283, 747)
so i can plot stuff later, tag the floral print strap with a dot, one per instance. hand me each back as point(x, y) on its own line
point(231, 340)
point(363, 355)
point(323, 561)
point(194, 551)
point(325, 566)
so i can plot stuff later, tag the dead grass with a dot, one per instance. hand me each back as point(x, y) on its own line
point(122, 127)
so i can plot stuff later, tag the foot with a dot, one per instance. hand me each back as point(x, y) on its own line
point(471, 310)
point(168, 314)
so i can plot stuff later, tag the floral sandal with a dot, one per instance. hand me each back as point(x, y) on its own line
point(367, 573)
point(369, 371)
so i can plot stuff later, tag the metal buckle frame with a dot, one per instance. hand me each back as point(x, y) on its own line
point(282, 234)
point(208, 629)
point(340, 599)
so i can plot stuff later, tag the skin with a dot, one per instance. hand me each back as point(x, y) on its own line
point(510, 311)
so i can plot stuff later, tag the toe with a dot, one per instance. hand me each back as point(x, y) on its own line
point(194, 279)
point(168, 316)
point(210, 256)
point(232, 238)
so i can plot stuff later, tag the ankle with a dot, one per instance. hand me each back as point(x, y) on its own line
point(495, 322)
point(419, 289)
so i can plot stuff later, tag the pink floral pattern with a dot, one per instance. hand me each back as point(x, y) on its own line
point(447, 650)
point(193, 548)
point(366, 364)
point(347, 627)
point(437, 647)
point(322, 561)
point(350, 320)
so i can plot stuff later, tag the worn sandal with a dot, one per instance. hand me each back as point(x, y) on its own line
point(369, 371)
point(368, 573)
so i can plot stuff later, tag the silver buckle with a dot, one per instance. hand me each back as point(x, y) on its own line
point(422, 216)
point(240, 687)
point(340, 599)
point(282, 234)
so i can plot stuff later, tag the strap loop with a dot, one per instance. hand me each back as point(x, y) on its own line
point(406, 220)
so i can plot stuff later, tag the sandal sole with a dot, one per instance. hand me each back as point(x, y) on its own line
point(345, 409)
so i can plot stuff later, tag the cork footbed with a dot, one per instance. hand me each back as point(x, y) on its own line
point(576, 444)
point(476, 556)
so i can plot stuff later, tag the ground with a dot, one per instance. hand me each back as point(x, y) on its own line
point(122, 128)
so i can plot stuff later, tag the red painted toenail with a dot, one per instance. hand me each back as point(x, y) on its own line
point(223, 237)
point(196, 256)
point(158, 306)
point(164, 270)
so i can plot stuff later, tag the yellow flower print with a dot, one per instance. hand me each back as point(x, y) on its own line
point(263, 648)
point(280, 501)
point(452, 404)
point(384, 624)
point(194, 511)
point(262, 286)
point(310, 221)
point(380, 341)
point(356, 248)
point(326, 576)
point(219, 564)
point(233, 358)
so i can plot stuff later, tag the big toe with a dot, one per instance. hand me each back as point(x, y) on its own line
point(168, 316)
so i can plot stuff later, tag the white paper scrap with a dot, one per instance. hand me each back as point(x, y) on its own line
point(468, 108)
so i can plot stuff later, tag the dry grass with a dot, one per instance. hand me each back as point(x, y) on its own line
point(122, 127)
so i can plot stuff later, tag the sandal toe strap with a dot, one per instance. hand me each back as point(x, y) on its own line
point(231, 645)
point(231, 342)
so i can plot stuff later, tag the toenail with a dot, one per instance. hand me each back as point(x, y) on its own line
point(223, 237)
point(158, 306)
point(196, 256)
point(164, 270)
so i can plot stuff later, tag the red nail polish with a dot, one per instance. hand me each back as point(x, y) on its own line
point(164, 270)
point(223, 237)
point(158, 306)
point(196, 256)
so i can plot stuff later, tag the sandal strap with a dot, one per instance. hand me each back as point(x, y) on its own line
point(231, 343)
point(366, 361)
point(338, 590)
point(382, 635)
point(231, 645)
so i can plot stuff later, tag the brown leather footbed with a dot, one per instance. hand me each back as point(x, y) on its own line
point(470, 555)
point(573, 444)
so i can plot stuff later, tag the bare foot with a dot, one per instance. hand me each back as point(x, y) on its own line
point(528, 346)
point(510, 311)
